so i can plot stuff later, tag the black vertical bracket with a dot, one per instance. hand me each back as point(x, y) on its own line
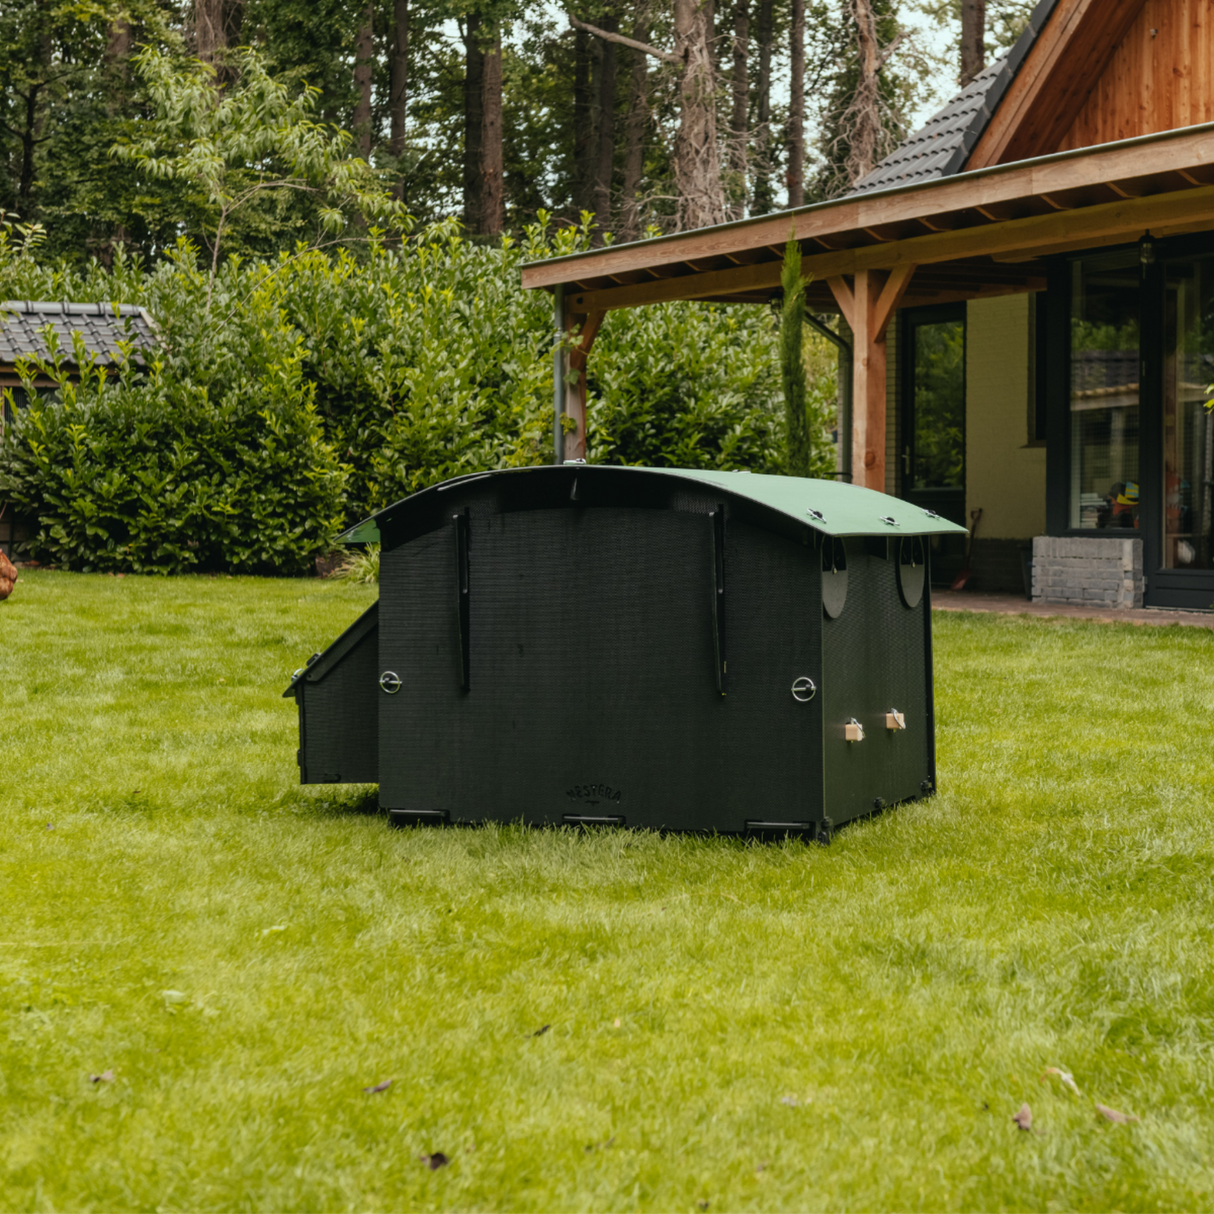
point(717, 520)
point(461, 591)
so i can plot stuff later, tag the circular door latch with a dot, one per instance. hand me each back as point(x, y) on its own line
point(389, 682)
point(803, 689)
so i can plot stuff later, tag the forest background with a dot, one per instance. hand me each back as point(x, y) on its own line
point(324, 206)
point(493, 112)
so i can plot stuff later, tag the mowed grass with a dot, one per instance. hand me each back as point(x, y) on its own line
point(733, 1025)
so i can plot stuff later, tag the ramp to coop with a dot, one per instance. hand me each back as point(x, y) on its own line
point(339, 709)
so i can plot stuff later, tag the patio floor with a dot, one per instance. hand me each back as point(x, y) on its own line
point(1014, 604)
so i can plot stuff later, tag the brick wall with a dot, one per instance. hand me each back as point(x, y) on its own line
point(1089, 572)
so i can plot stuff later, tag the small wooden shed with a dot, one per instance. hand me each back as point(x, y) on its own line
point(645, 647)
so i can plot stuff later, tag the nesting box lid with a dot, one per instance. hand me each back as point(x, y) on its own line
point(829, 507)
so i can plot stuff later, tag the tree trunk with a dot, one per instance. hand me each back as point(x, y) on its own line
point(973, 39)
point(398, 85)
point(493, 216)
point(796, 106)
point(763, 200)
point(605, 134)
point(118, 42)
point(583, 199)
point(741, 109)
point(697, 172)
point(474, 123)
point(634, 130)
point(865, 116)
point(364, 64)
point(29, 136)
point(210, 35)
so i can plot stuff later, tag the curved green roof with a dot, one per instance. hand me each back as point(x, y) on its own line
point(831, 507)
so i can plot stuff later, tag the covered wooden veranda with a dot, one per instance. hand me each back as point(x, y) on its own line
point(964, 237)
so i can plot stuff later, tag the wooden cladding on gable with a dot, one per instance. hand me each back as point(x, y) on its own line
point(1160, 77)
point(1103, 71)
point(1054, 81)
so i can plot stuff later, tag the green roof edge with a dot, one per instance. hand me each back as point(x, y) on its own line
point(827, 506)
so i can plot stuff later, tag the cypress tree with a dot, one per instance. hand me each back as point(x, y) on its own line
point(792, 361)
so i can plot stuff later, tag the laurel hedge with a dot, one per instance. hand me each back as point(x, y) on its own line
point(290, 397)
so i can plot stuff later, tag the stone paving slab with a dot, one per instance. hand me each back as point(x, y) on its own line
point(1009, 604)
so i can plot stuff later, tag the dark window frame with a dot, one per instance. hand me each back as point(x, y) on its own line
point(910, 319)
point(1184, 588)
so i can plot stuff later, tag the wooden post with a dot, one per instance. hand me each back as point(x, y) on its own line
point(867, 306)
point(868, 408)
point(559, 360)
point(575, 383)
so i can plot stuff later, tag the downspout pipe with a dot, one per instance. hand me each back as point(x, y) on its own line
point(846, 380)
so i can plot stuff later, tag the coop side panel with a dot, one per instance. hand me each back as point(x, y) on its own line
point(875, 661)
point(338, 706)
point(591, 672)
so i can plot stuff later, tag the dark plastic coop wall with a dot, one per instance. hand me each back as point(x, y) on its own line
point(578, 674)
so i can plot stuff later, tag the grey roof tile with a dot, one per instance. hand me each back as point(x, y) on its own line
point(103, 327)
point(942, 145)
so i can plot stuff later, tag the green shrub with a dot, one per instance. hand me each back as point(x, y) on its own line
point(156, 477)
point(326, 385)
point(686, 386)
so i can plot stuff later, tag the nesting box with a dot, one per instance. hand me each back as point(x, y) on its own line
point(674, 649)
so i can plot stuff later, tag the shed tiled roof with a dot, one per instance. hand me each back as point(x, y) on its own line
point(102, 325)
point(942, 145)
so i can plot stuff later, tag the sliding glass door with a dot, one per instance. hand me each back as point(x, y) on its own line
point(1105, 304)
point(1139, 442)
point(1188, 437)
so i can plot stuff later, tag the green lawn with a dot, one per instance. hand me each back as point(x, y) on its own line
point(733, 1026)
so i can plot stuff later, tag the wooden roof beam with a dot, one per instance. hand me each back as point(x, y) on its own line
point(1033, 236)
point(936, 207)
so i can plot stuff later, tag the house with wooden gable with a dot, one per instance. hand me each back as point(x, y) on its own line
point(1025, 289)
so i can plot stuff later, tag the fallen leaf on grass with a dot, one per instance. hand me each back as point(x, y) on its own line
point(104, 1077)
point(1114, 1115)
point(1067, 1078)
point(1024, 1119)
point(278, 927)
point(380, 1087)
point(435, 1161)
point(541, 1032)
point(617, 1022)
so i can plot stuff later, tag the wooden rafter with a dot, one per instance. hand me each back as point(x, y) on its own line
point(1108, 222)
point(936, 206)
